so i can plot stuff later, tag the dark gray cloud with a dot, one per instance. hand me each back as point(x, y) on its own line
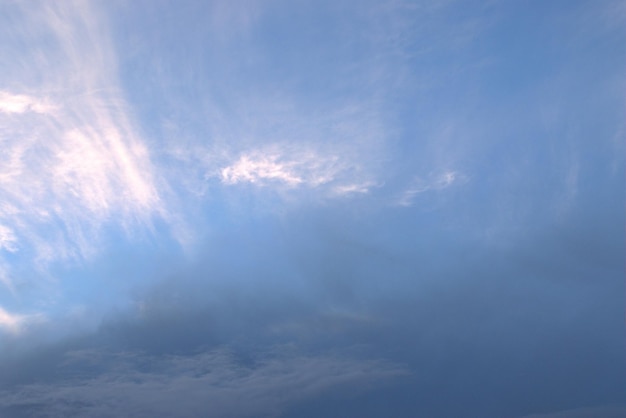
point(328, 318)
point(213, 383)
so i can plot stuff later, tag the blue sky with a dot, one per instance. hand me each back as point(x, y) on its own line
point(312, 208)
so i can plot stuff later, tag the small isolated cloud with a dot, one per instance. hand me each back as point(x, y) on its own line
point(433, 182)
point(354, 188)
point(295, 169)
point(260, 170)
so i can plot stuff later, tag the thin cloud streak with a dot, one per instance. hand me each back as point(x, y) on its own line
point(436, 182)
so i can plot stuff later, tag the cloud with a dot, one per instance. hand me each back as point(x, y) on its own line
point(354, 188)
point(210, 383)
point(73, 160)
point(330, 174)
point(319, 123)
point(294, 319)
point(433, 182)
point(9, 322)
point(266, 168)
point(7, 239)
point(20, 103)
point(15, 324)
point(328, 128)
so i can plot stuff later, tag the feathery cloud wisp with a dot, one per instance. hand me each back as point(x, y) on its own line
point(73, 161)
point(433, 182)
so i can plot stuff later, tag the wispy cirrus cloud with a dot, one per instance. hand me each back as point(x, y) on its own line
point(353, 188)
point(72, 159)
point(433, 182)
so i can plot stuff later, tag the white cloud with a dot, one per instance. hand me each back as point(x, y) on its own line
point(433, 182)
point(293, 164)
point(259, 170)
point(353, 188)
point(296, 168)
point(21, 103)
point(72, 160)
point(7, 239)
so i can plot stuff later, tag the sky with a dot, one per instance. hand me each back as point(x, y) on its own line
point(273, 208)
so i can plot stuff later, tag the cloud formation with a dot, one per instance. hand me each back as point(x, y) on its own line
point(19, 103)
point(73, 161)
point(390, 208)
point(265, 168)
point(330, 175)
point(121, 369)
point(436, 182)
point(211, 384)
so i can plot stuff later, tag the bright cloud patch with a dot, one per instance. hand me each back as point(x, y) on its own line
point(260, 170)
point(7, 239)
point(20, 103)
point(331, 174)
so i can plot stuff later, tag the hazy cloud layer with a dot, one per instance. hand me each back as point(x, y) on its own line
point(212, 384)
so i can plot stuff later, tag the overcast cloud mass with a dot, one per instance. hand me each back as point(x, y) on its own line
point(312, 208)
